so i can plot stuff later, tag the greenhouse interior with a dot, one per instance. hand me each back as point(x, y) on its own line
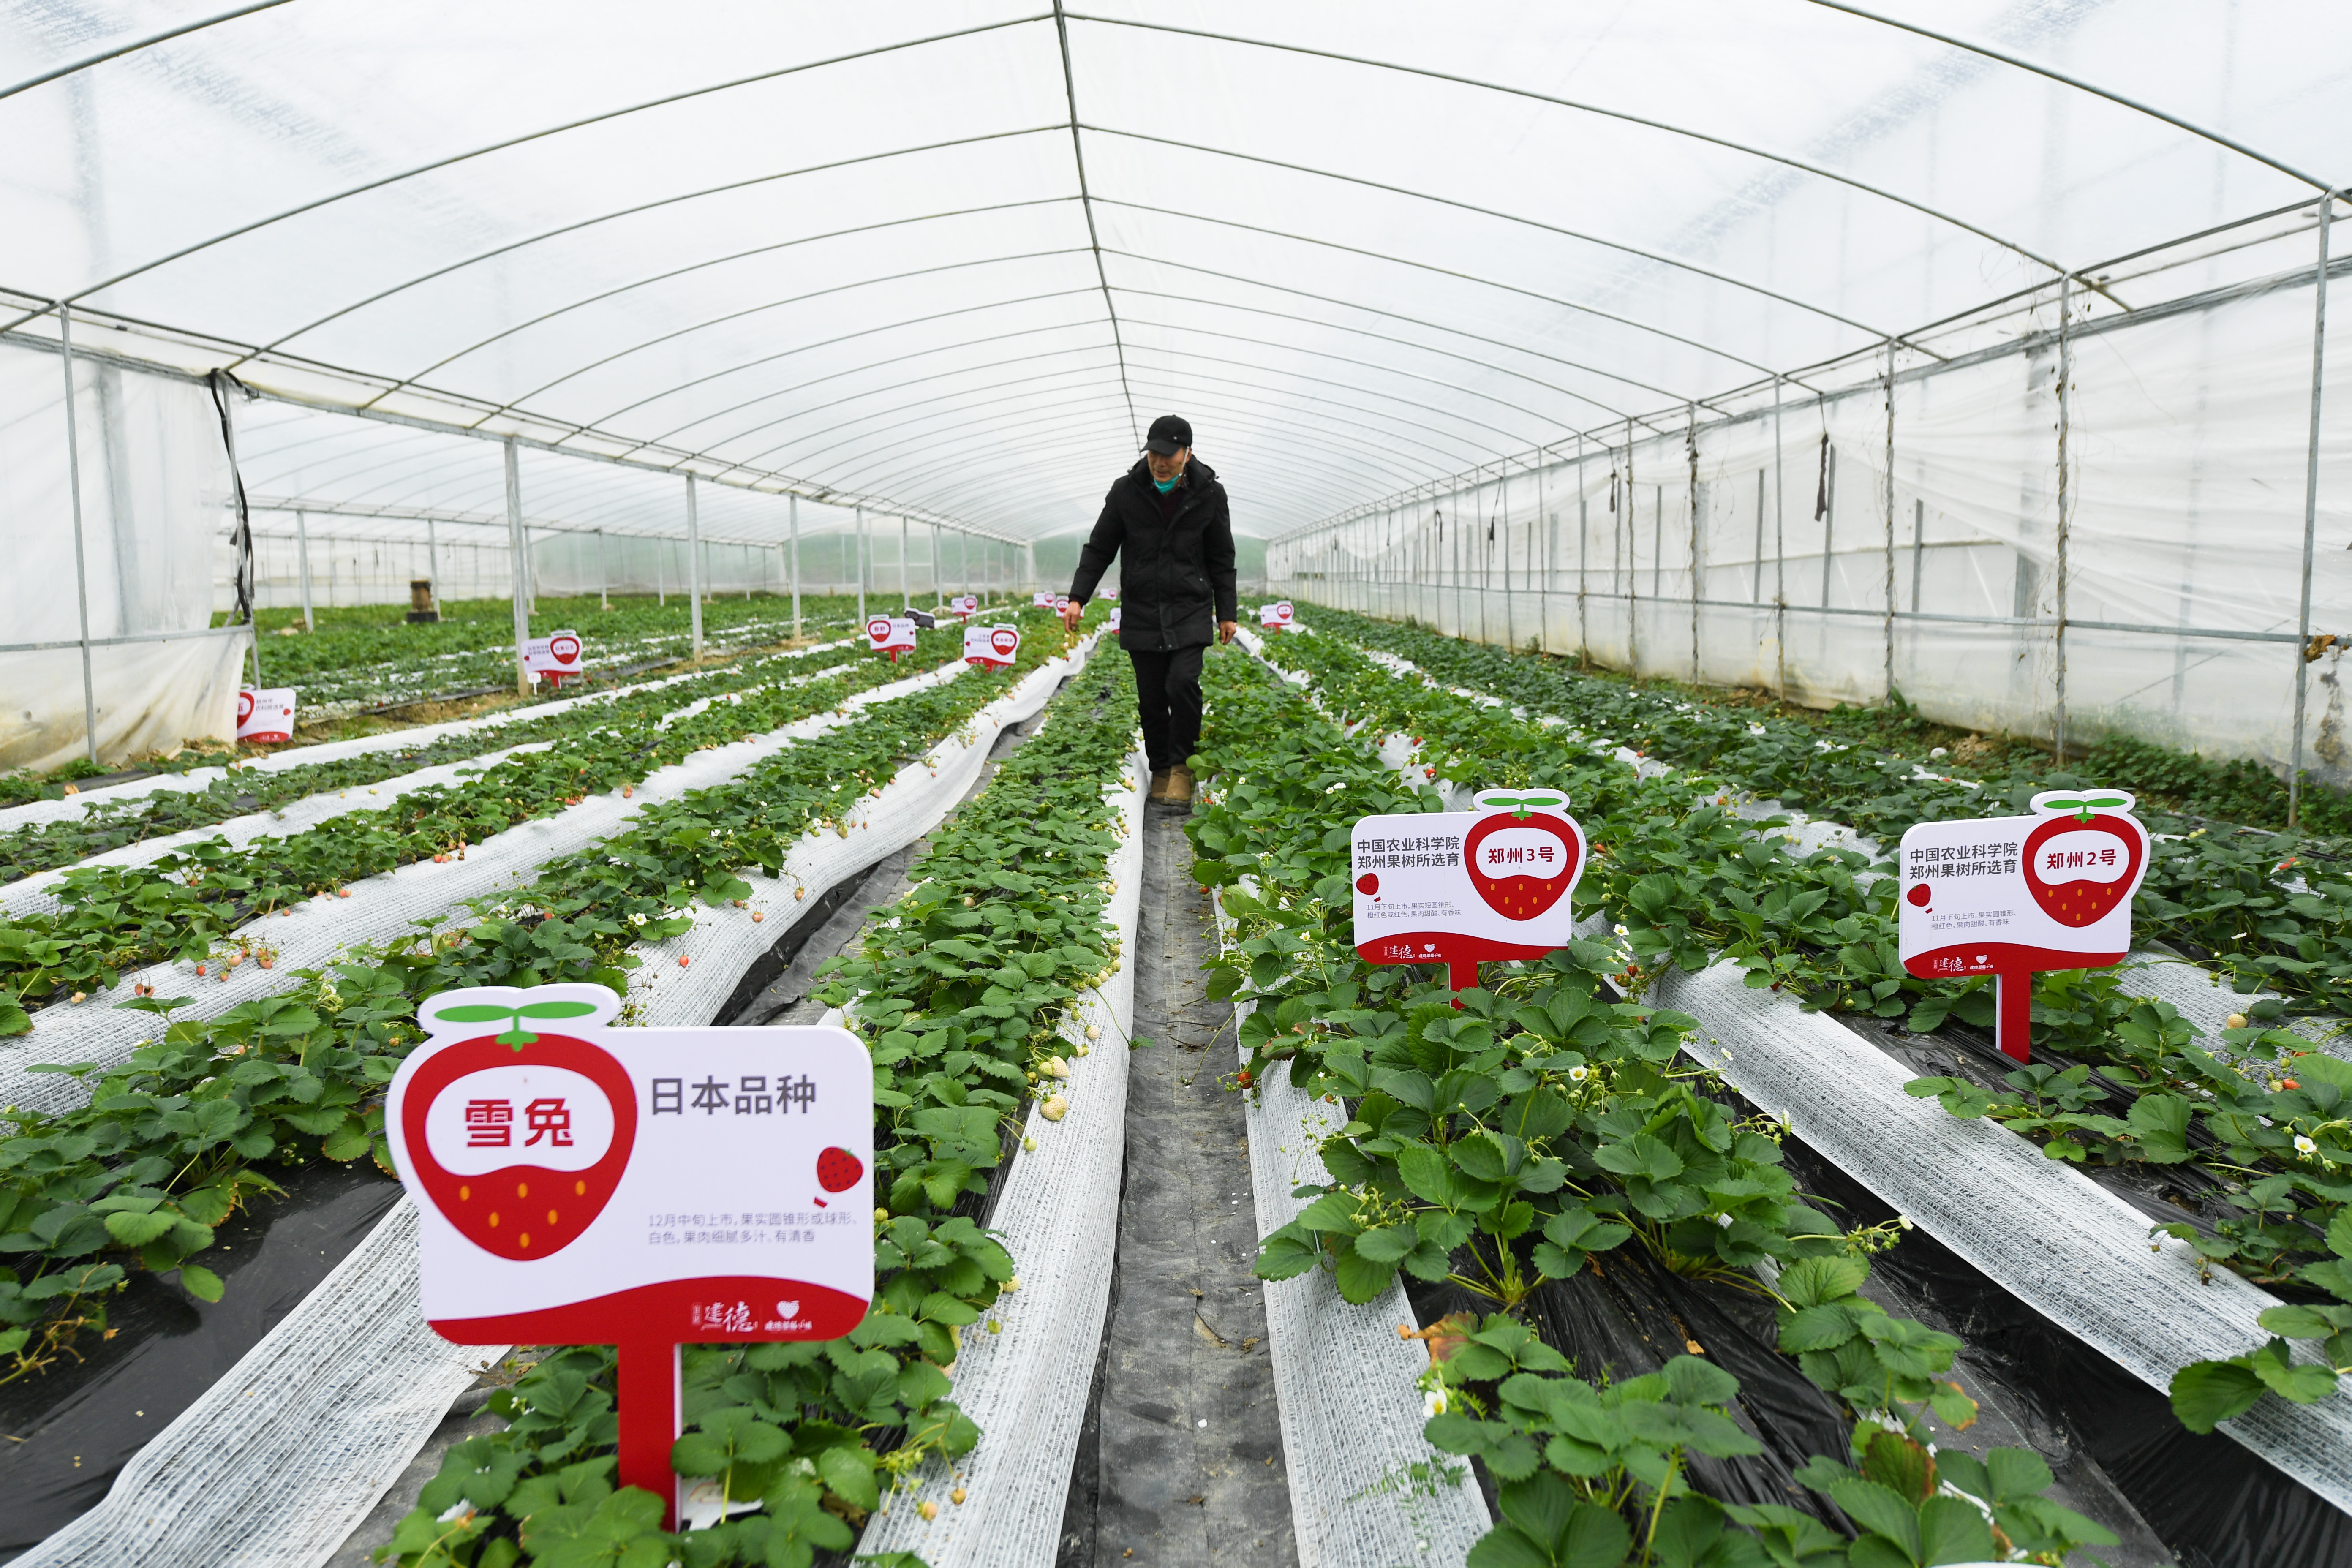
point(1695, 578)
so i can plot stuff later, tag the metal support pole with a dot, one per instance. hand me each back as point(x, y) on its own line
point(1887, 627)
point(604, 577)
point(906, 587)
point(516, 572)
point(1690, 442)
point(1779, 553)
point(2065, 511)
point(694, 563)
point(81, 571)
point(858, 545)
point(433, 562)
point(2310, 512)
point(1583, 525)
point(796, 567)
point(302, 561)
point(935, 561)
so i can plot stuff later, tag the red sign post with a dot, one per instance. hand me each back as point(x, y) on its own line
point(2008, 896)
point(578, 1183)
point(1456, 888)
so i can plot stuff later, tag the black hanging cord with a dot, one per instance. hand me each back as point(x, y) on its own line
point(220, 381)
point(1822, 487)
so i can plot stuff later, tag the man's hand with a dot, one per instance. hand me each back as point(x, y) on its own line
point(1070, 614)
point(1225, 630)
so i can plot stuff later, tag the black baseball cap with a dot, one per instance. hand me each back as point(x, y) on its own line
point(1170, 435)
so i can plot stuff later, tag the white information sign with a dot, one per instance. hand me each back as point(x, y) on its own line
point(1114, 612)
point(720, 1179)
point(2010, 895)
point(995, 645)
point(557, 655)
point(1453, 887)
point(887, 634)
point(1274, 616)
point(965, 605)
point(577, 1183)
point(1041, 599)
point(264, 714)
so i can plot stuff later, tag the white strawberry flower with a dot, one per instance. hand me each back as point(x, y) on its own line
point(1432, 1403)
point(2303, 1145)
point(1578, 1075)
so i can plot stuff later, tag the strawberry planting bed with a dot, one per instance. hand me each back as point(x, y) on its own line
point(1648, 826)
point(129, 824)
point(836, 787)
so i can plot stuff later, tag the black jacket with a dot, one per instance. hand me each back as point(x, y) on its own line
point(1178, 581)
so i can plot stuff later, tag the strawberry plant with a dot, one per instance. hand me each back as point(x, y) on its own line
point(108, 823)
point(119, 918)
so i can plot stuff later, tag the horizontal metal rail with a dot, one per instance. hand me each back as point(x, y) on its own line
point(239, 629)
point(1684, 602)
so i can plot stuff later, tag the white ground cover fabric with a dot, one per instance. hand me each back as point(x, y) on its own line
point(275, 1463)
point(39, 812)
point(1027, 1387)
point(349, 1387)
point(380, 909)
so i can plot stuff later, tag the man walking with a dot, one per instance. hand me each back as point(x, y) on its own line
point(1168, 514)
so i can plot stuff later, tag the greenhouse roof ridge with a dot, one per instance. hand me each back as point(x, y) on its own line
point(1366, 247)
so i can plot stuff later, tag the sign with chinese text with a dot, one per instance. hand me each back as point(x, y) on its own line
point(1041, 599)
point(2010, 895)
point(965, 605)
point(993, 645)
point(1457, 887)
point(578, 1183)
point(1113, 628)
point(264, 714)
point(1274, 616)
point(889, 634)
point(555, 655)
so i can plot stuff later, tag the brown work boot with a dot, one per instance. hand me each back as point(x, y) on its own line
point(1159, 784)
point(1179, 785)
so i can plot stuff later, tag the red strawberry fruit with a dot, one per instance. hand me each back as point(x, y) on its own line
point(524, 1210)
point(1536, 884)
point(2078, 871)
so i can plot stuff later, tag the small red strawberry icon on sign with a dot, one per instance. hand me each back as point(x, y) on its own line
point(838, 1170)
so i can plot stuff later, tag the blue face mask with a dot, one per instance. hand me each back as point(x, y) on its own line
point(1164, 487)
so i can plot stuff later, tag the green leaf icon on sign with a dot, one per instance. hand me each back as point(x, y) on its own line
point(516, 1037)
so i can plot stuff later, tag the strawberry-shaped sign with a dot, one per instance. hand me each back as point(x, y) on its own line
point(578, 1183)
point(2008, 896)
point(1456, 887)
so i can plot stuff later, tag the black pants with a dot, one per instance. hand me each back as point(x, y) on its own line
point(1168, 700)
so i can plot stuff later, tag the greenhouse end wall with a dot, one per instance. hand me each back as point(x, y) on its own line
point(1767, 551)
